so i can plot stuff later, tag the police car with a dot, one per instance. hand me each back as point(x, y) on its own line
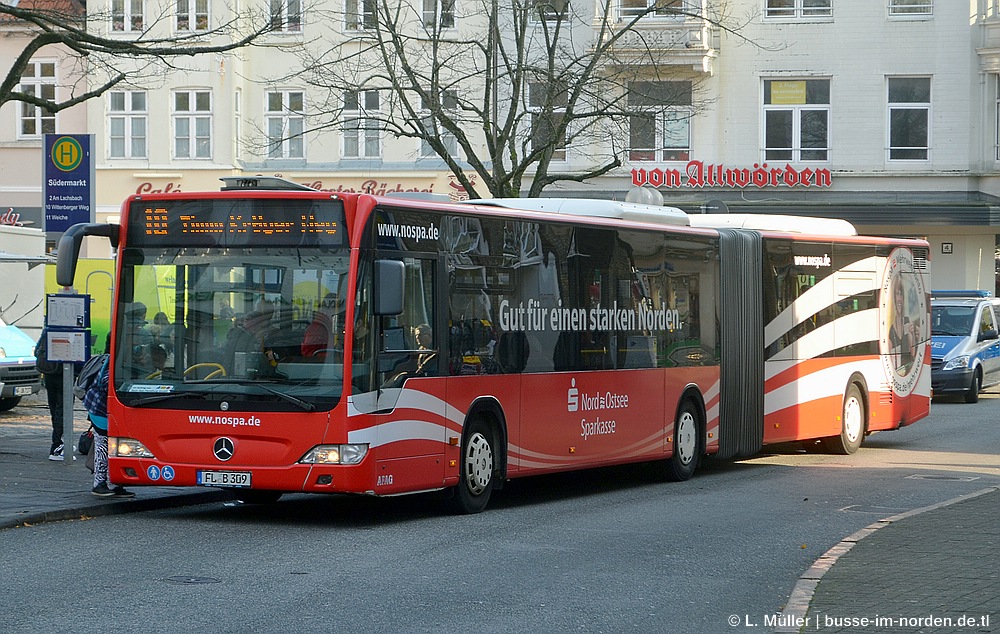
point(965, 345)
point(18, 375)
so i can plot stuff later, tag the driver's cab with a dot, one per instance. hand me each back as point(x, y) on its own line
point(408, 341)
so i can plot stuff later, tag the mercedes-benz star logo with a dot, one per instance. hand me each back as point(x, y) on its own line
point(223, 449)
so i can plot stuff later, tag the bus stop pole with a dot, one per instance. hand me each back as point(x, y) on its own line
point(69, 449)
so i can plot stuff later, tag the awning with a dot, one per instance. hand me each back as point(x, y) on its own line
point(31, 260)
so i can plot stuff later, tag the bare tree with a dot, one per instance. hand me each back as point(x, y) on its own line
point(505, 89)
point(99, 62)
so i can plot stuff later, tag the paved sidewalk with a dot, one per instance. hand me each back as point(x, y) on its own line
point(934, 570)
point(34, 489)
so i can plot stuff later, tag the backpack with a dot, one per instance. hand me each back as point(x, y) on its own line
point(42, 363)
point(96, 398)
point(88, 374)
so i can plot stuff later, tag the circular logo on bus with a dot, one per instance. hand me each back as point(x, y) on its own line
point(223, 448)
point(903, 322)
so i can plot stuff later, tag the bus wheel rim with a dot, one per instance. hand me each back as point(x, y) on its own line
point(478, 464)
point(852, 419)
point(686, 441)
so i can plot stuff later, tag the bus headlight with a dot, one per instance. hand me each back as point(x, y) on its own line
point(957, 362)
point(127, 448)
point(336, 454)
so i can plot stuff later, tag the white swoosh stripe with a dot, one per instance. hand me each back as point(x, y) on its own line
point(821, 296)
point(849, 329)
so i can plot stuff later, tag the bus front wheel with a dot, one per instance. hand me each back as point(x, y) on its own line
point(852, 424)
point(478, 468)
point(687, 443)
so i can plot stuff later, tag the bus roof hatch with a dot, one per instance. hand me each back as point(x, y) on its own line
point(231, 183)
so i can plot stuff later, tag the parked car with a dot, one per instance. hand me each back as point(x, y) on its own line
point(965, 345)
point(18, 375)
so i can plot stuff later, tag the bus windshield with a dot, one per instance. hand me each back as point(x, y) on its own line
point(258, 327)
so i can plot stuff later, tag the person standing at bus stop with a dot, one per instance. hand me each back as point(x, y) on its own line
point(96, 402)
point(52, 378)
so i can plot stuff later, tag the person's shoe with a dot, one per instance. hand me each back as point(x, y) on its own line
point(121, 492)
point(102, 490)
point(57, 453)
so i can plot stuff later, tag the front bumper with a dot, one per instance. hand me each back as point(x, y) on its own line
point(957, 380)
point(19, 380)
point(291, 478)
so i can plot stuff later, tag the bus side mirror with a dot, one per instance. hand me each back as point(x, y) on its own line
point(69, 247)
point(388, 296)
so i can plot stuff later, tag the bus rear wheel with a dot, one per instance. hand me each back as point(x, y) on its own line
point(687, 443)
point(479, 463)
point(852, 424)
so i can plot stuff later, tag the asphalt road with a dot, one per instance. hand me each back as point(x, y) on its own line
point(599, 551)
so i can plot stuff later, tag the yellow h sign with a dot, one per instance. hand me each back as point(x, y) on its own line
point(66, 153)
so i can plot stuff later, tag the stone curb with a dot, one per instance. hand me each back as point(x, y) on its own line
point(802, 594)
point(118, 507)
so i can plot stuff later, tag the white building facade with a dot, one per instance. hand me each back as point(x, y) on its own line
point(882, 112)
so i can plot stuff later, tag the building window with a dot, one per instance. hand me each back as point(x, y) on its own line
point(449, 102)
point(439, 14)
point(285, 124)
point(660, 123)
point(192, 15)
point(544, 126)
point(909, 118)
point(797, 120)
point(911, 7)
point(652, 8)
point(127, 15)
point(360, 15)
point(798, 9)
point(286, 15)
point(38, 80)
point(996, 131)
point(548, 10)
point(193, 124)
point(237, 123)
point(127, 124)
point(361, 126)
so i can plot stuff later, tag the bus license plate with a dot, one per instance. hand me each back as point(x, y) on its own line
point(22, 390)
point(224, 478)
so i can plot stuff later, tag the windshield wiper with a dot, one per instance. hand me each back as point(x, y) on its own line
point(156, 398)
point(294, 400)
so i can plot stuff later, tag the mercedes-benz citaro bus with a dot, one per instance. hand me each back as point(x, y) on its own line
point(272, 338)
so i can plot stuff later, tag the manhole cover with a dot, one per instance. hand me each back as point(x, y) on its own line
point(186, 579)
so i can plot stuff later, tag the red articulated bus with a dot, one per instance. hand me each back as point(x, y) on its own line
point(271, 338)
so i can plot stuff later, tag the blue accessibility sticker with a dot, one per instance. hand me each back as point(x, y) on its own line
point(153, 472)
point(167, 473)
